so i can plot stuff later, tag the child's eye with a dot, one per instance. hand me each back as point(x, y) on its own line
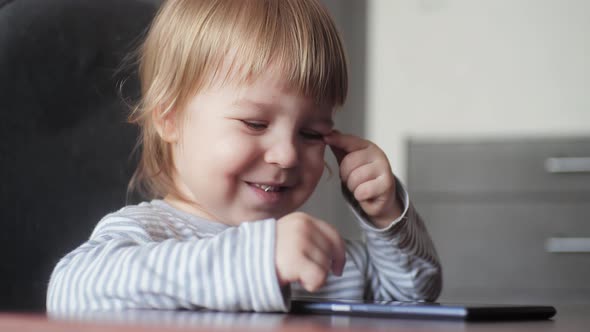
point(255, 125)
point(312, 135)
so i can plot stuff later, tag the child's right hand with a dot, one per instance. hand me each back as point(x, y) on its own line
point(307, 249)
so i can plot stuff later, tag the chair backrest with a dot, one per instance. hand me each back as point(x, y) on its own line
point(65, 145)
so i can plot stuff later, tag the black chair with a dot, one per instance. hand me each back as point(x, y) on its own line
point(65, 145)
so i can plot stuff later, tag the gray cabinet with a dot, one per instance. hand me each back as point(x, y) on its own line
point(510, 218)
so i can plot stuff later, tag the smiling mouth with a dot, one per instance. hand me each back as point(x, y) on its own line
point(268, 188)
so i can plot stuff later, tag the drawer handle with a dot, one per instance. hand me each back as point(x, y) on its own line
point(568, 165)
point(568, 245)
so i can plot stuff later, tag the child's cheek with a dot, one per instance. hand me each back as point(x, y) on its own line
point(234, 154)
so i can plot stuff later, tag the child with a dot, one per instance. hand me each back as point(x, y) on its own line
point(238, 99)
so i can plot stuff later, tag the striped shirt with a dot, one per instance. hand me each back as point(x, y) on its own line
point(155, 256)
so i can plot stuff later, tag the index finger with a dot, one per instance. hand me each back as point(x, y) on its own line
point(337, 245)
point(345, 142)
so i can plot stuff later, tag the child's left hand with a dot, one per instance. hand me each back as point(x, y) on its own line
point(365, 170)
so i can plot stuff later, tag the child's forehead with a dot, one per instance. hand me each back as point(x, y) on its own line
point(268, 100)
point(290, 101)
point(266, 82)
point(268, 91)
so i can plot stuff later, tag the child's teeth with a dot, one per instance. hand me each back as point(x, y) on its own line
point(265, 187)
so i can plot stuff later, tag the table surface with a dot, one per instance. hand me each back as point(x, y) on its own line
point(568, 318)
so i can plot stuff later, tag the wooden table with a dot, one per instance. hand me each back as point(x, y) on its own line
point(568, 318)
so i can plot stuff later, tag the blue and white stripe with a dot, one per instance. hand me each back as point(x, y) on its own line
point(154, 256)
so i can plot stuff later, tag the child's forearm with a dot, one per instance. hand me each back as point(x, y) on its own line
point(232, 271)
point(403, 264)
point(403, 261)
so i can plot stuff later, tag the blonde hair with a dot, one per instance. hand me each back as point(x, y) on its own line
point(191, 40)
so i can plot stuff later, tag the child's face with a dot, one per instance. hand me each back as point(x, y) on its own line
point(249, 152)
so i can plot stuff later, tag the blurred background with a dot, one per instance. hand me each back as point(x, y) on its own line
point(483, 108)
point(476, 69)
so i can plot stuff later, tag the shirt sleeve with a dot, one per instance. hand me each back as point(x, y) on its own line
point(121, 267)
point(402, 263)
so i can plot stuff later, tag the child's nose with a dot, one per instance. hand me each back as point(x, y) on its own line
point(282, 153)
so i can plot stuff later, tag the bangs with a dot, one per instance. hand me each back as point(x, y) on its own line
point(301, 43)
point(229, 42)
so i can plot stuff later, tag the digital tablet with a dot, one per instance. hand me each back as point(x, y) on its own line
point(421, 310)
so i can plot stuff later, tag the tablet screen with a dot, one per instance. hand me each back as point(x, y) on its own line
point(396, 309)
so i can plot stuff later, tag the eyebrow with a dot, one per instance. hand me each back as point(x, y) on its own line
point(270, 106)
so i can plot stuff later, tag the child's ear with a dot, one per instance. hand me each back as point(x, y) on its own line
point(166, 124)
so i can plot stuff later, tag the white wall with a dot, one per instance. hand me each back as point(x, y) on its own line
point(475, 68)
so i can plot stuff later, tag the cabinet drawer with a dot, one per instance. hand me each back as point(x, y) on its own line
point(525, 166)
point(502, 247)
